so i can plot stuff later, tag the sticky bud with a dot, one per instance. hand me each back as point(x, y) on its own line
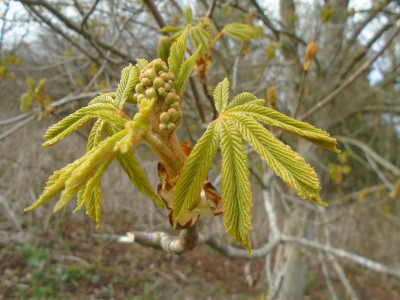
point(272, 98)
point(167, 87)
point(150, 74)
point(311, 51)
point(170, 98)
point(162, 126)
point(165, 117)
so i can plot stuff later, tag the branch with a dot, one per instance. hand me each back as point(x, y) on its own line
point(161, 240)
point(365, 67)
point(156, 14)
point(211, 9)
point(87, 15)
point(343, 254)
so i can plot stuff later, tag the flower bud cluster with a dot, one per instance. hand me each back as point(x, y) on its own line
point(157, 82)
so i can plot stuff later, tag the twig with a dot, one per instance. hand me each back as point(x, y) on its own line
point(365, 67)
point(301, 93)
point(156, 14)
point(11, 213)
point(87, 15)
point(211, 9)
point(197, 101)
point(16, 127)
point(211, 100)
point(325, 271)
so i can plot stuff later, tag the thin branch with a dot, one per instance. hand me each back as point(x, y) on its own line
point(328, 280)
point(197, 100)
point(211, 9)
point(343, 254)
point(87, 15)
point(211, 100)
point(16, 127)
point(156, 14)
point(365, 67)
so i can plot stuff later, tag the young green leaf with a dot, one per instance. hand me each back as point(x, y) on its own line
point(177, 53)
point(188, 16)
point(129, 79)
point(236, 193)
point(221, 95)
point(280, 158)
point(26, 101)
point(241, 99)
point(274, 118)
point(138, 177)
point(240, 32)
point(194, 172)
point(199, 36)
point(55, 184)
point(95, 135)
point(92, 161)
point(141, 63)
point(171, 29)
point(66, 126)
point(186, 70)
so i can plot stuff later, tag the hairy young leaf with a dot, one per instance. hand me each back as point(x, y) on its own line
point(240, 32)
point(55, 184)
point(90, 194)
point(141, 63)
point(194, 172)
point(185, 71)
point(236, 193)
point(188, 16)
point(280, 158)
point(26, 101)
point(221, 95)
point(138, 177)
point(177, 53)
point(244, 98)
point(199, 36)
point(95, 135)
point(129, 79)
point(274, 118)
point(66, 126)
point(171, 29)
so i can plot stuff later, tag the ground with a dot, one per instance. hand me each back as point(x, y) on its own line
point(71, 260)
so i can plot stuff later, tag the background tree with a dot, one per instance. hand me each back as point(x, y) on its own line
point(348, 89)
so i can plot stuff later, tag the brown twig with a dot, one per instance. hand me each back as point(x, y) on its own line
point(156, 14)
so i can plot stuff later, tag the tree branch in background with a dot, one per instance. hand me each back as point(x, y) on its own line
point(365, 67)
point(87, 15)
point(156, 14)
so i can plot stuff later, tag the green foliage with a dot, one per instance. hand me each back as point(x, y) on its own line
point(156, 89)
point(239, 119)
point(187, 15)
point(240, 32)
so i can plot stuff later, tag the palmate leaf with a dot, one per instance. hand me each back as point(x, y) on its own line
point(177, 53)
point(186, 69)
point(95, 134)
point(194, 172)
point(236, 193)
point(280, 158)
point(129, 79)
point(274, 118)
point(221, 95)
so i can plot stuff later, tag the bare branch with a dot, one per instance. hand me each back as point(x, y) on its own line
point(365, 67)
point(87, 15)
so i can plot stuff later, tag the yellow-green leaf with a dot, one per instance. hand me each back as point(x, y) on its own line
point(221, 95)
point(26, 101)
point(188, 16)
point(194, 172)
point(236, 193)
point(274, 118)
point(186, 70)
point(241, 99)
point(280, 158)
point(240, 32)
point(200, 36)
point(129, 79)
point(177, 53)
point(95, 135)
point(138, 177)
